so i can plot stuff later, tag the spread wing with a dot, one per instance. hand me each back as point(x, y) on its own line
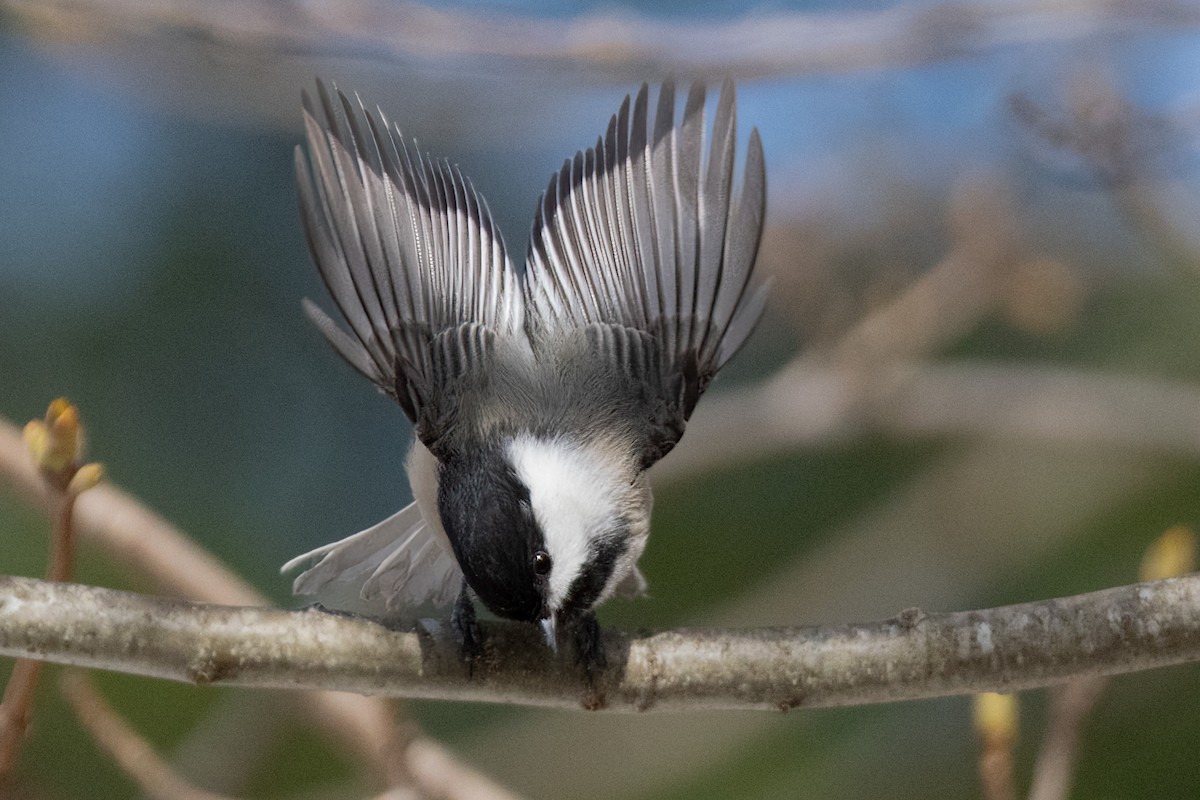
point(418, 274)
point(641, 243)
point(411, 259)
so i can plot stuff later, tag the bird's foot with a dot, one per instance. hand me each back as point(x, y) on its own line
point(466, 627)
point(589, 655)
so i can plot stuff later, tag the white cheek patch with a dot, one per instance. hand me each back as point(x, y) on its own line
point(574, 495)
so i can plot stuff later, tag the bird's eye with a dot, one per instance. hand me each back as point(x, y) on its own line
point(542, 562)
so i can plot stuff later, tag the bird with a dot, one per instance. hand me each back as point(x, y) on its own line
point(539, 397)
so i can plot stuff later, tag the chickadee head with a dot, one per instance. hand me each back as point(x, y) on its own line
point(486, 511)
point(543, 528)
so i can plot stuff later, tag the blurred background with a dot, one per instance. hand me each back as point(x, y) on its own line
point(976, 383)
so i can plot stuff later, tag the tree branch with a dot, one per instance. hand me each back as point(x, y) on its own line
point(913, 656)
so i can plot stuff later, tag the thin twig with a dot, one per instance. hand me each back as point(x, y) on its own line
point(62, 541)
point(16, 707)
point(16, 710)
point(1109, 632)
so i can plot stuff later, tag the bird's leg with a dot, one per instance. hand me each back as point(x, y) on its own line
point(467, 629)
point(589, 646)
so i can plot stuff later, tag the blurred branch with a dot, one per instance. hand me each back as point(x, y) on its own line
point(440, 775)
point(1095, 130)
point(621, 44)
point(947, 300)
point(876, 378)
point(1069, 709)
point(437, 774)
point(913, 656)
point(812, 403)
point(131, 752)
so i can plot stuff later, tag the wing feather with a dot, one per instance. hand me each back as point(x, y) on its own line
point(689, 151)
point(408, 251)
point(645, 231)
point(740, 312)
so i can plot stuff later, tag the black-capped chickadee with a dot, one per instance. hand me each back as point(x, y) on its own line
point(539, 398)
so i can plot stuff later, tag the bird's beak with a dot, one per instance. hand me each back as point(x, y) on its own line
point(550, 632)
